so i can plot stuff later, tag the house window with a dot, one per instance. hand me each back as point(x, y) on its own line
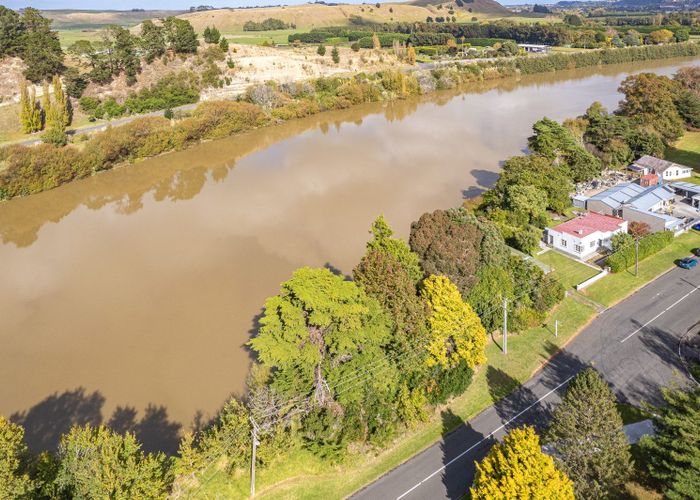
point(592, 243)
point(563, 243)
point(578, 248)
point(676, 173)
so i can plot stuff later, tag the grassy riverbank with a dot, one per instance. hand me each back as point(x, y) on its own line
point(301, 474)
point(30, 170)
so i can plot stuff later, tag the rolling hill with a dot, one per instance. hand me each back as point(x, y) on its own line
point(318, 15)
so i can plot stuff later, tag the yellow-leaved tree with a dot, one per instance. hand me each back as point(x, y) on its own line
point(455, 329)
point(517, 468)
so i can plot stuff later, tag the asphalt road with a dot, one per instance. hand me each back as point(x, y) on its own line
point(635, 347)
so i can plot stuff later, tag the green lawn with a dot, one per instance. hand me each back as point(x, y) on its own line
point(569, 271)
point(616, 287)
point(300, 474)
point(258, 37)
point(686, 151)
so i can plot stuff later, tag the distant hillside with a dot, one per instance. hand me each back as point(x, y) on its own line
point(319, 15)
point(479, 6)
point(631, 5)
point(95, 19)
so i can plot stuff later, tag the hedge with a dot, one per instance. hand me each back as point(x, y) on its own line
point(558, 62)
point(430, 38)
point(311, 37)
point(385, 39)
point(649, 245)
point(484, 42)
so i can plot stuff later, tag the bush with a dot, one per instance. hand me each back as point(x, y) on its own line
point(430, 38)
point(385, 40)
point(649, 245)
point(268, 24)
point(311, 37)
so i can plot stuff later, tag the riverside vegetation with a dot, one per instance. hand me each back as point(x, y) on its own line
point(346, 366)
point(26, 170)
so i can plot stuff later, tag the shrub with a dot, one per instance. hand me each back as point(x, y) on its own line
point(649, 245)
point(311, 37)
point(385, 40)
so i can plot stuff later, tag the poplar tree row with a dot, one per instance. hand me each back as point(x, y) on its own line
point(52, 115)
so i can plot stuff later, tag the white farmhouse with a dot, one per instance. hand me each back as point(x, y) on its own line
point(667, 170)
point(585, 235)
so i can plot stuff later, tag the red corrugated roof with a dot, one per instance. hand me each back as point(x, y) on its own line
point(589, 223)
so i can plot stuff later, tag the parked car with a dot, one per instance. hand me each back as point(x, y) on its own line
point(696, 226)
point(688, 263)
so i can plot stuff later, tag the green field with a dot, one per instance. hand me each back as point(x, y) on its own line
point(69, 37)
point(686, 151)
point(277, 37)
point(569, 271)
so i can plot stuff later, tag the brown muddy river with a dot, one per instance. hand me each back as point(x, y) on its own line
point(127, 298)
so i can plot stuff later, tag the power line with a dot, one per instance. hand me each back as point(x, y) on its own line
point(301, 402)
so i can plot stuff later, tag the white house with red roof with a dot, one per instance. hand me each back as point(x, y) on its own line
point(583, 236)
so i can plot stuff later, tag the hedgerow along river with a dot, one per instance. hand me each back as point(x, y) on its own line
point(127, 298)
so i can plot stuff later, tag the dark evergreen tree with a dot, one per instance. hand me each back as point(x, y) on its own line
point(674, 454)
point(587, 438)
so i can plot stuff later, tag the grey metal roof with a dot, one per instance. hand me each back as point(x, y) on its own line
point(686, 186)
point(650, 197)
point(617, 195)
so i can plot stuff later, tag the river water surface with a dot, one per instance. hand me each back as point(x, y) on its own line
point(128, 297)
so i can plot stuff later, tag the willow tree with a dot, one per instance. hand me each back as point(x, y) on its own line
point(455, 331)
point(320, 335)
point(517, 468)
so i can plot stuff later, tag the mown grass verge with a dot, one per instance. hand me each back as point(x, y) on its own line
point(300, 474)
point(616, 287)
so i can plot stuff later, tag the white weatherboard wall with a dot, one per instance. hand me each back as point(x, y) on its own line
point(565, 242)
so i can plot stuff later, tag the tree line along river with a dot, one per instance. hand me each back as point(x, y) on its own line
point(127, 298)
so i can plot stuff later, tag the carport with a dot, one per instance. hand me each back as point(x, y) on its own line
point(688, 190)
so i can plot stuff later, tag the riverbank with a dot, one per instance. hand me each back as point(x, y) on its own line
point(218, 227)
point(27, 170)
point(302, 474)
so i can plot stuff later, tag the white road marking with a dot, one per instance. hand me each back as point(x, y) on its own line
point(484, 439)
point(658, 315)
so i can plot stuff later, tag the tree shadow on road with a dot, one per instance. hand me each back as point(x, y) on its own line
point(515, 404)
point(459, 472)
